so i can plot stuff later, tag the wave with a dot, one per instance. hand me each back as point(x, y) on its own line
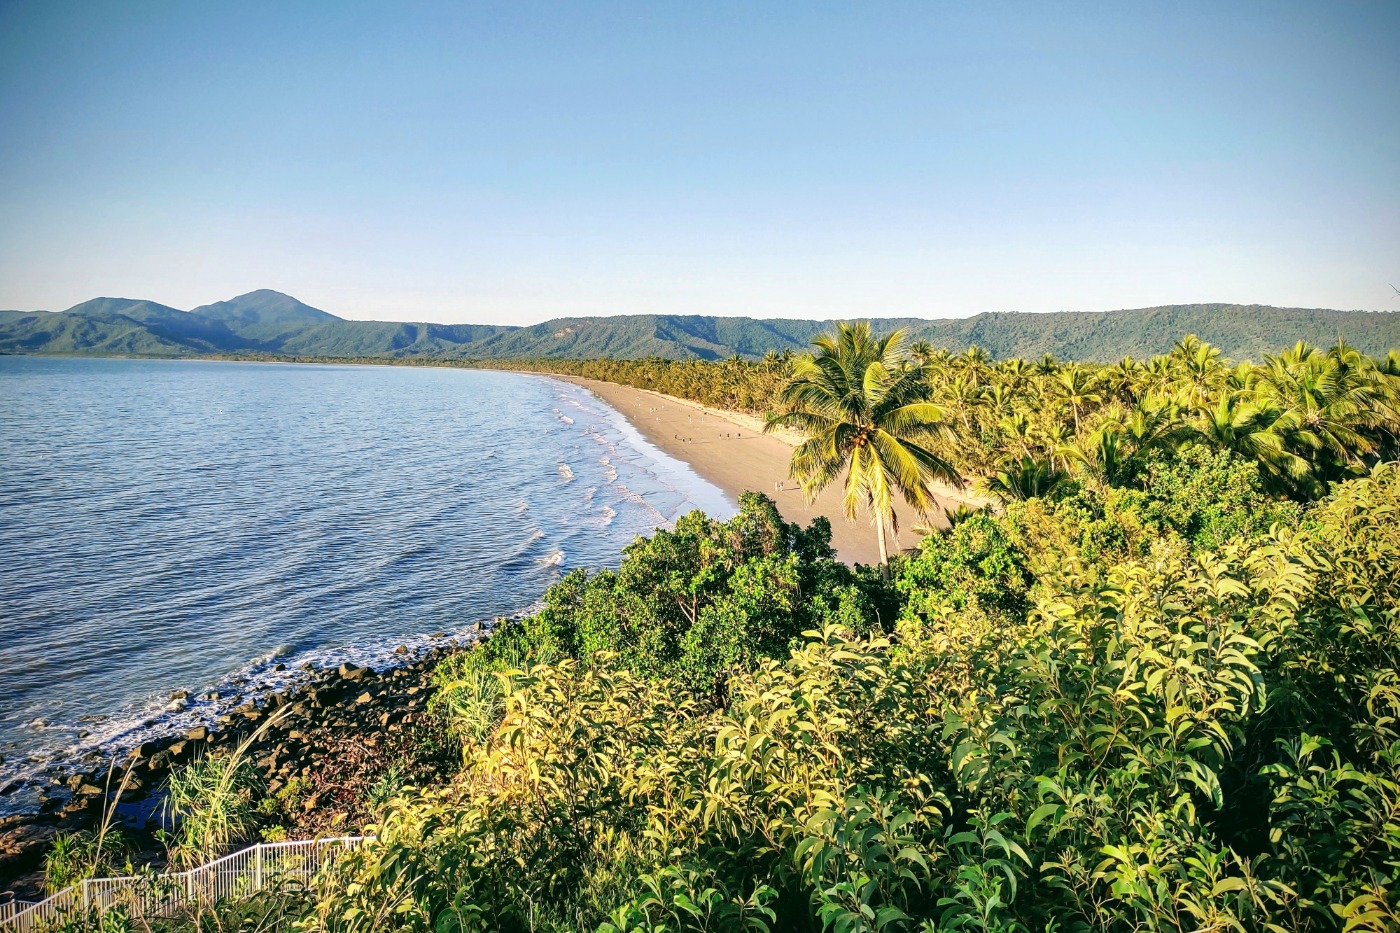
point(281, 670)
point(566, 472)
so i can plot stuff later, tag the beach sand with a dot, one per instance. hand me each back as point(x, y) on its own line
point(729, 450)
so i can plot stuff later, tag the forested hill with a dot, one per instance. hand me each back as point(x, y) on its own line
point(268, 322)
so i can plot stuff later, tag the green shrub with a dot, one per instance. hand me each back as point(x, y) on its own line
point(1185, 738)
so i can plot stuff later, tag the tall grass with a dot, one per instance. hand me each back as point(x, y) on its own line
point(211, 801)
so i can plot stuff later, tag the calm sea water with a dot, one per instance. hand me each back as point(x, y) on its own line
point(192, 525)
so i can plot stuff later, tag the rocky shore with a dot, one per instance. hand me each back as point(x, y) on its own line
point(323, 747)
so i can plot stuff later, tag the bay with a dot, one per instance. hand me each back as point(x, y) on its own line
point(210, 527)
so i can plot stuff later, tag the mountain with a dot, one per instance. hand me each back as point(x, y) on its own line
point(264, 309)
point(270, 322)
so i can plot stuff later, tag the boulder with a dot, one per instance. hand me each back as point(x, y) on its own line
point(352, 673)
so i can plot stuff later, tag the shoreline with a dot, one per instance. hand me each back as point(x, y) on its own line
point(729, 450)
point(334, 731)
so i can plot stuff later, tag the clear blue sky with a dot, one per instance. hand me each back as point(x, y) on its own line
point(514, 162)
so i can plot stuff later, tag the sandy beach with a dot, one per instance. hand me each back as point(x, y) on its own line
point(729, 450)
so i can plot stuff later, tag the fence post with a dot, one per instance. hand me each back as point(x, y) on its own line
point(257, 868)
point(86, 901)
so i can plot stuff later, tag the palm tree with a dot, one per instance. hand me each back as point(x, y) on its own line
point(1076, 389)
point(1254, 429)
point(1197, 370)
point(1026, 478)
point(1332, 404)
point(1117, 451)
point(866, 411)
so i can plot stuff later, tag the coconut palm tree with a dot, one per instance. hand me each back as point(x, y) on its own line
point(1332, 405)
point(1026, 478)
point(1196, 370)
point(866, 411)
point(922, 351)
point(1075, 386)
point(1255, 430)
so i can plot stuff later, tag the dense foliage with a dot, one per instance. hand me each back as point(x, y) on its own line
point(1156, 687)
point(695, 604)
point(1104, 709)
point(1307, 416)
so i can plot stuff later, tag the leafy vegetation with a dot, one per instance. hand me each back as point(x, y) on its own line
point(1305, 417)
point(1155, 686)
point(1144, 728)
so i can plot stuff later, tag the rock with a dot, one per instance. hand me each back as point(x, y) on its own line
point(22, 847)
point(180, 695)
point(87, 790)
point(178, 749)
point(352, 673)
point(401, 649)
point(144, 750)
point(364, 699)
point(197, 734)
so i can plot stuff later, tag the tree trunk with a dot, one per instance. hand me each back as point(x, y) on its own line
point(884, 553)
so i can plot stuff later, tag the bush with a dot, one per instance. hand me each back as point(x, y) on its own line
point(695, 604)
point(1179, 738)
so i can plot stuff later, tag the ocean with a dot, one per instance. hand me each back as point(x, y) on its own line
point(210, 527)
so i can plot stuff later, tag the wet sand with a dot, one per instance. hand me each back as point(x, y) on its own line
point(729, 450)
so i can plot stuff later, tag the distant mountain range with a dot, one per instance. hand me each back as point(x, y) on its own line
point(268, 322)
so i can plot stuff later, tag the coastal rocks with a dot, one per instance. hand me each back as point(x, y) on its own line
point(23, 844)
point(318, 747)
point(354, 674)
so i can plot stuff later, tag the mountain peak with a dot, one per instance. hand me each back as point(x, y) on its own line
point(265, 307)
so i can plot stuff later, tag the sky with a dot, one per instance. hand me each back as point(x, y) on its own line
point(515, 162)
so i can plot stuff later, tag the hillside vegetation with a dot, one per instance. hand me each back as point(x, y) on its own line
point(267, 322)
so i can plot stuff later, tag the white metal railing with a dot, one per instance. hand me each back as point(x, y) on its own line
point(256, 868)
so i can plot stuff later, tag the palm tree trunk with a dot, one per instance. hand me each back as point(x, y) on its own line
point(884, 553)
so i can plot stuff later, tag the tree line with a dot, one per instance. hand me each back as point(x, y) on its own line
point(1306, 417)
